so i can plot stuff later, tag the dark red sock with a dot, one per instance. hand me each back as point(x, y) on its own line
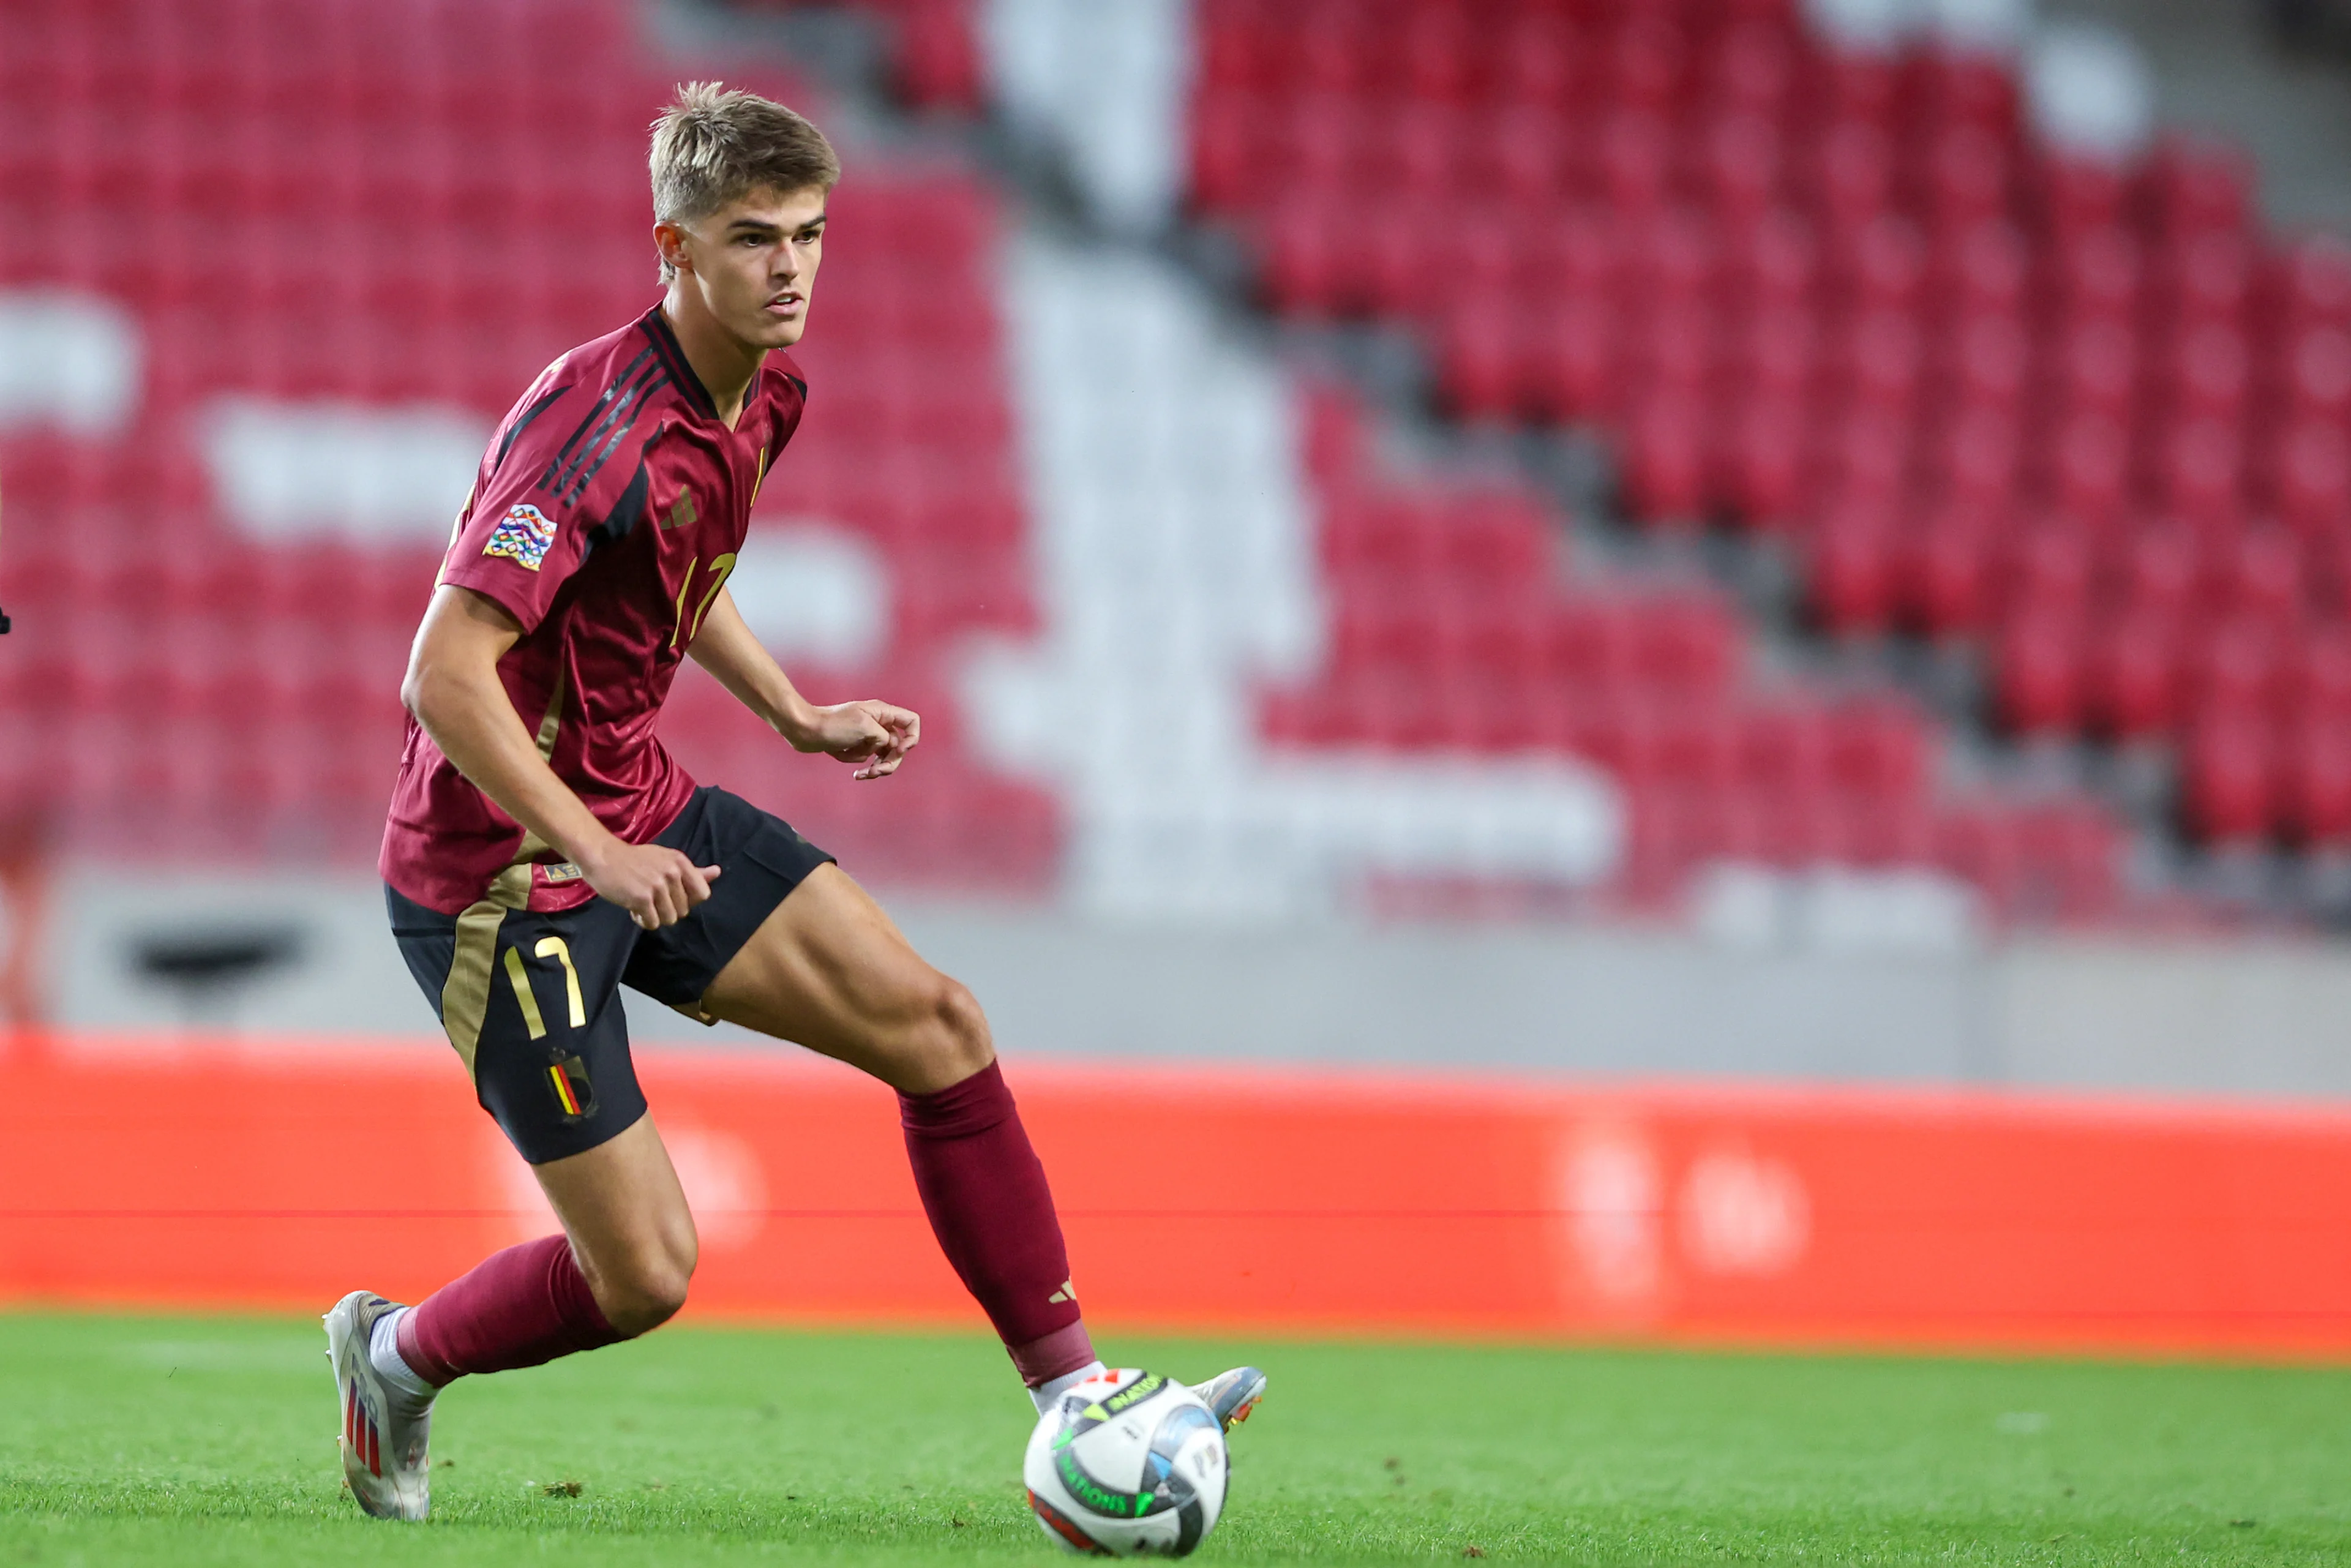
point(985, 1190)
point(525, 1305)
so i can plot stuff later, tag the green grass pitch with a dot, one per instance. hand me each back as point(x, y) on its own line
point(205, 1441)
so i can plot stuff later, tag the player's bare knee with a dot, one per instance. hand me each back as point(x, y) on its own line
point(957, 1043)
point(645, 1295)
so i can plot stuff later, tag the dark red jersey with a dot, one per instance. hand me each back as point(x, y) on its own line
point(605, 519)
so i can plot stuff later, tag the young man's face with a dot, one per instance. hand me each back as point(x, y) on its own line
point(752, 263)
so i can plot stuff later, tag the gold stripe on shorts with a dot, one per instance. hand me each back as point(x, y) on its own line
point(466, 995)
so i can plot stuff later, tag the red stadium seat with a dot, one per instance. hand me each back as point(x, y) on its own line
point(1880, 362)
point(2229, 776)
point(1988, 268)
point(1241, 47)
point(2089, 478)
point(2199, 188)
point(1864, 86)
point(1885, 264)
point(1978, 461)
point(1673, 353)
point(1438, 55)
point(1648, 60)
point(2318, 375)
point(1664, 460)
point(1866, 456)
point(1697, 748)
point(1774, 265)
point(1855, 175)
point(2318, 676)
point(1784, 752)
point(1420, 148)
point(2133, 678)
point(1742, 158)
point(1307, 269)
point(1537, 64)
point(2313, 285)
point(1853, 570)
point(1883, 830)
point(1877, 750)
point(2200, 474)
point(2208, 278)
point(1951, 576)
point(2080, 194)
point(2097, 369)
point(2314, 784)
point(2099, 275)
point(1520, 155)
point(2040, 675)
point(1979, 844)
point(2208, 371)
point(1229, 156)
point(2049, 572)
point(1633, 172)
point(1966, 178)
point(1478, 357)
point(1778, 358)
point(1673, 260)
point(2259, 576)
point(1990, 355)
point(2312, 485)
point(1762, 468)
point(2237, 670)
point(2161, 569)
point(1754, 70)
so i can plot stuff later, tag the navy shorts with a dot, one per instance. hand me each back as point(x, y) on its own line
point(532, 1000)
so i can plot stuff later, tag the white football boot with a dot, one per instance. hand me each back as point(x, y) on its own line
point(384, 1432)
point(1232, 1394)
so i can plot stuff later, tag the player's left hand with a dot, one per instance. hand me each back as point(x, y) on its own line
point(871, 733)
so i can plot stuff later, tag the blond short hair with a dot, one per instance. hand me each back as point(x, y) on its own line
point(715, 144)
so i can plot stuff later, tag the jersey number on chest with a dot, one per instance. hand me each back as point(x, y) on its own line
point(711, 578)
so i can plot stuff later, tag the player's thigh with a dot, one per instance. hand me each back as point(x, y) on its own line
point(827, 970)
point(626, 1214)
point(531, 1000)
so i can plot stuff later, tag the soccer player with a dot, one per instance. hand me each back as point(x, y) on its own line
point(543, 849)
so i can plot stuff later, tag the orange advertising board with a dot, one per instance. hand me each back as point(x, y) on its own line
point(282, 1174)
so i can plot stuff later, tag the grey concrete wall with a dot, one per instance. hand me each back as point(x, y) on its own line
point(2248, 1020)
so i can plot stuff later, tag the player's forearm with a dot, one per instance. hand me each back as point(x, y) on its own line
point(734, 657)
point(469, 716)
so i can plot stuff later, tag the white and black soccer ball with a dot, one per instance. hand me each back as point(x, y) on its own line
point(1129, 1464)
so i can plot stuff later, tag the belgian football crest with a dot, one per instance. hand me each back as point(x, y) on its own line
point(574, 1093)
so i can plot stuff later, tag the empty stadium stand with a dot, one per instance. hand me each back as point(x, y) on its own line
point(2087, 417)
point(268, 268)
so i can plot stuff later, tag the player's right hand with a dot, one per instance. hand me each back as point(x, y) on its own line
point(656, 884)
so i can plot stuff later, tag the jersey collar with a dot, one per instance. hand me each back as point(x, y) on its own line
point(680, 371)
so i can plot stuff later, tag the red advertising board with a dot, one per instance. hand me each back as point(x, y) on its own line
point(282, 1174)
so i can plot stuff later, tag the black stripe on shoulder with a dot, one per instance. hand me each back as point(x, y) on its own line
point(681, 370)
point(602, 404)
point(639, 400)
point(626, 513)
point(563, 476)
point(546, 401)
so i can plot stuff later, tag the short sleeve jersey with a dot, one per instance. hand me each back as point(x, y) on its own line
point(605, 518)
